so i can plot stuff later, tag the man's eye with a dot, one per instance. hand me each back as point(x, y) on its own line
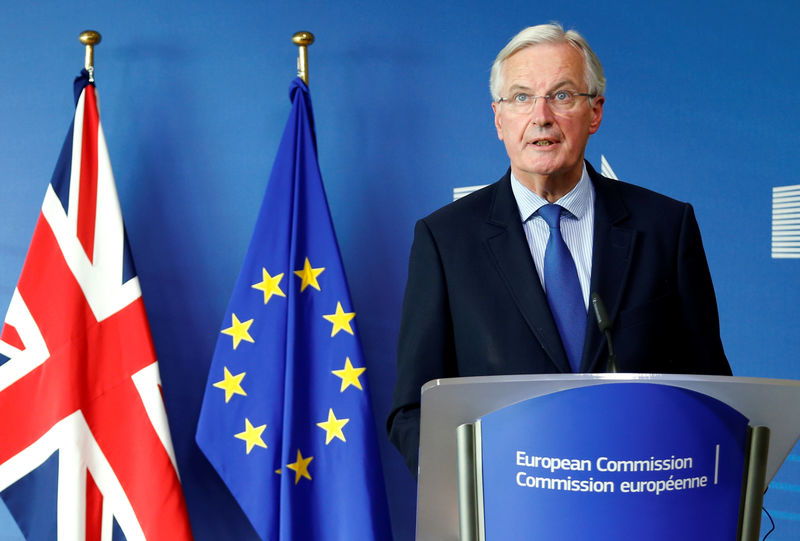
point(521, 98)
point(561, 95)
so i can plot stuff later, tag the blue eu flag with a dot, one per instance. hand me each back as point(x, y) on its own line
point(286, 417)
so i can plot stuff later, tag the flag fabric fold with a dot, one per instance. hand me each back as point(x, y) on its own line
point(286, 418)
point(85, 451)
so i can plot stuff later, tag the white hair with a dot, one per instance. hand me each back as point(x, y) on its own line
point(549, 33)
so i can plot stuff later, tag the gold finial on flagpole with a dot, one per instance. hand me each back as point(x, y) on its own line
point(302, 39)
point(90, 38)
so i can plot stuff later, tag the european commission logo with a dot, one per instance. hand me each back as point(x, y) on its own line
point(605, 170)
point(786, 222)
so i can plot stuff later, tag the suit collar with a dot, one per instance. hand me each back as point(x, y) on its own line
point(612, 254)
point(505, 239)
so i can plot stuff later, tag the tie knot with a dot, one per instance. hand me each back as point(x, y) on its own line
point(551, 214)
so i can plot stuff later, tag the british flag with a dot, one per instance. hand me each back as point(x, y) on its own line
point(85, 449)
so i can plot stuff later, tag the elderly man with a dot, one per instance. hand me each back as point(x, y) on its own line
point(500, 281)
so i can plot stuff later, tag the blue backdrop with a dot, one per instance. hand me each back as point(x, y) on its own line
point(701, 105)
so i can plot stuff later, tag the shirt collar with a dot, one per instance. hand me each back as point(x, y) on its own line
point(576, 201)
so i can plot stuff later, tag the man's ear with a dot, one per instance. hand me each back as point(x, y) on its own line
point(498, 122)
point(597, 114)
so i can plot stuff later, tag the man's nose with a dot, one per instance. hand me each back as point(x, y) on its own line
point(541, 114)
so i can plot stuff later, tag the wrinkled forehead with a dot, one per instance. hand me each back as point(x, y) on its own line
point(544, 65)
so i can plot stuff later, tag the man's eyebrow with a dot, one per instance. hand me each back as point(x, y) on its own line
point(561, 84)
point(565, 82)
point(516, 88)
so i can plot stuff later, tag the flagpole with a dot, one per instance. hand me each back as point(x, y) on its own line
point(90, 38)
point(302, 39)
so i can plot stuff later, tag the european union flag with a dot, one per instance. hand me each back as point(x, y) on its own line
point(286, 417)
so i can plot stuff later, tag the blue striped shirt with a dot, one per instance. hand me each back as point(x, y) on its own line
point(577, 227)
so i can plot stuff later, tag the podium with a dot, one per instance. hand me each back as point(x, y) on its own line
point(450, 403)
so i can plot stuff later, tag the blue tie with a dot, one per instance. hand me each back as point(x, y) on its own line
point(564, 294)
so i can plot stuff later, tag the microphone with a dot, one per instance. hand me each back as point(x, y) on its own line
point(604, 325)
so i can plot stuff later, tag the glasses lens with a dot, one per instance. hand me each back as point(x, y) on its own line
point(561, 100)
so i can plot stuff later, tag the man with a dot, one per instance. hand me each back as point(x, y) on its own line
point(500, 281)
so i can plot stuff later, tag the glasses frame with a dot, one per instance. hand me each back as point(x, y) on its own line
point(548, 99)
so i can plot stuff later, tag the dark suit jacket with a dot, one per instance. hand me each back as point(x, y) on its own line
point(474, 305)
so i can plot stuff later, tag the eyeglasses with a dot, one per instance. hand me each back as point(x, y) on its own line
point(559, 101)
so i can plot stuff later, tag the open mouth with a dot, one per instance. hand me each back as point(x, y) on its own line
point(543, 142)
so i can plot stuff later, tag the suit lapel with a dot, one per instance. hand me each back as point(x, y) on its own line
point(612, 254)
point(505, 240)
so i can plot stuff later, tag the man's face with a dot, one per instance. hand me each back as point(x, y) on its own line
point(543, 144)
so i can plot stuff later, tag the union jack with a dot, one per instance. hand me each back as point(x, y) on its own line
point(85, 449)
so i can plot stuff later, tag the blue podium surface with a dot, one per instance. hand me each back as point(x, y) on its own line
point(624, 461)
point(448, 403)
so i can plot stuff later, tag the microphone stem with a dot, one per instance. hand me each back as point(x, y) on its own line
point(612, 359)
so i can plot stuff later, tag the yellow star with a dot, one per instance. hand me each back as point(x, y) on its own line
point(270, 285)
point(333, 427)
point(252, 435)
point(340, 320)
point(309, 276)
point(349, 375)
point(300, 467)
point(238, 330)
point(231, 384)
